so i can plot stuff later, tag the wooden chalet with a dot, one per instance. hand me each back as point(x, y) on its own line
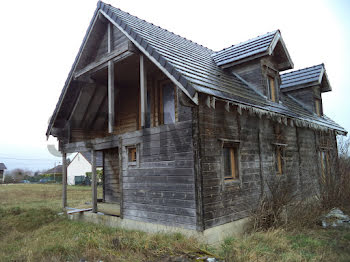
point(190, 137)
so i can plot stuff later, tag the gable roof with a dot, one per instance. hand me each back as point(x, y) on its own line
point(2, 166)
point(310, 76)
point(251, 49)
point(189, 65)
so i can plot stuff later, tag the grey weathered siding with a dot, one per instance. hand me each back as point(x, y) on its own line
point(228, 201)
point(306, 96)
point(160, 188)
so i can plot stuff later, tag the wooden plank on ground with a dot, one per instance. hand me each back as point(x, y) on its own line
point(78, 211)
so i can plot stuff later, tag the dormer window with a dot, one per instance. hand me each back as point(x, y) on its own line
point(272, 88)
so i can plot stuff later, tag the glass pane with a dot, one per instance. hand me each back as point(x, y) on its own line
point(227, 162)
point(169, 103)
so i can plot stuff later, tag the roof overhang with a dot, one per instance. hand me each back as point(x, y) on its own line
point(277, 43)
point(322, 81)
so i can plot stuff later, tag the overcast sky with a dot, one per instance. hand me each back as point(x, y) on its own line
point(40, 39)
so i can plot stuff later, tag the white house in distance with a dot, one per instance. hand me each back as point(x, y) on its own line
point(81, 163)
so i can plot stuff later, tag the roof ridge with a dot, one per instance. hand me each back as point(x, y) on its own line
point(294, 71)
point(157, 26)
point(249, 40)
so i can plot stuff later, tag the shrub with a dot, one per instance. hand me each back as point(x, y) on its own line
point(335, 187)
point(271, 211)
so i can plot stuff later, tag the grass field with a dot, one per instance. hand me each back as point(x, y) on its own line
point(31, 230)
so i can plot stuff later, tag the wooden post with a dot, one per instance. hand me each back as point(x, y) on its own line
point(94, 181)
point(64, 180)
point(143, 91)
point(111, 113)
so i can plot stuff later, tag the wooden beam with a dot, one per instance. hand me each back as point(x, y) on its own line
point(78, 211)
point(82, 104)
point(117, 55)
point(111, 109)
point(94, 181)
point(143, 91)
point(64, 180)
point(93, 109)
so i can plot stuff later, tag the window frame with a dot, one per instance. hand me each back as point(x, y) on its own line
point(272, 93)
point(234, 147)
point(126, 154)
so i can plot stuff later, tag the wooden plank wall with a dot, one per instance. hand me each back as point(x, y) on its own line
point(126, 109)
point(111, 175)
point(226, 202)
point(161, 188)
point(306, 96)
point(251, 72)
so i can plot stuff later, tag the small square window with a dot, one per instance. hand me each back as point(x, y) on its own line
point(132, 154)
point(230, 162)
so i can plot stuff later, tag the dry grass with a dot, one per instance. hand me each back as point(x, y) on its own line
point(41, 235)
point(34, 232)
point(39, 195)
point(288, 246)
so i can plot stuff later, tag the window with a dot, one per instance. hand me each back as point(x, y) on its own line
point(318, 106)
point(272, 88)
point(230, 162)
point(279, 160)
point(132, 154)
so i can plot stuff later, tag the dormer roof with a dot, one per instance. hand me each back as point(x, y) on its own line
point(264, 45)
point(307, 77)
